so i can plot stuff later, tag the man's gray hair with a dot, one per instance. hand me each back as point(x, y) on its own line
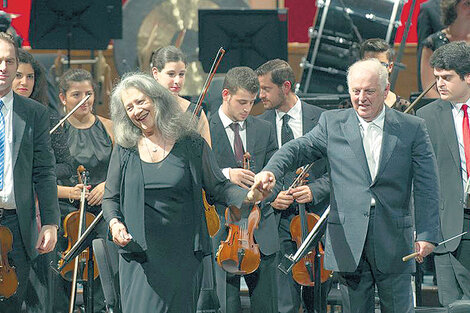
point(373, 65)
point(170, 120)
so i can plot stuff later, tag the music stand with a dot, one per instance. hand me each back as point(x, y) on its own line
point(312, 240)
point(83, 242)
point(84, 25)
point(259, 36)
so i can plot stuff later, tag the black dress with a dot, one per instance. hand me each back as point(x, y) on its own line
point(91, 148)
point(165, 282)
point(161, 206)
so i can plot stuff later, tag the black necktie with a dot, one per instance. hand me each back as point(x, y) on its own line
point(237, 144)
point(286, 132)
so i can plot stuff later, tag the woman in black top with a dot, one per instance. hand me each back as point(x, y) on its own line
point(153, 200)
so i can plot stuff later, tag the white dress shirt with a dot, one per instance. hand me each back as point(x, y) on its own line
point(295, 121)
point(226, 122)
point(458, 122)
point(372, 132)
point(7, 195)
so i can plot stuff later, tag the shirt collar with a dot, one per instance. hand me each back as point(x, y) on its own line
point(378, 121)
point(8, 100)
point(295, 112)
point(226, 121)
point(458, 106)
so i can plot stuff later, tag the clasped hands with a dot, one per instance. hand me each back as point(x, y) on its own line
point(263, 184)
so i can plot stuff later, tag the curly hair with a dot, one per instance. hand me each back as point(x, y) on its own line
point(169, 119)
point(453, 56)
point(40, 82)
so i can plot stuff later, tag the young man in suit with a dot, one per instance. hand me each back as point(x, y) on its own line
point(26, 161)
point(375, 156)
point(291, 118)
point(447, 122)
point(234, 132)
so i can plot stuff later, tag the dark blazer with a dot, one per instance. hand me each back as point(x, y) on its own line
point(261, 144)
point(318, 179)
point(33, 166)
point(124, 191)
point(440, 123)
point(406, 158)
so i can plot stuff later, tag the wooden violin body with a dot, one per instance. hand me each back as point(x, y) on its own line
point(212, 218)
point(8, 278)
point(239, 254)
point(303, 271)
point(71, 223)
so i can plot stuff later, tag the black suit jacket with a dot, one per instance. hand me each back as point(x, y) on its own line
point(318, 178)
point(261, 144)
point(33, 166)
point(440, 124)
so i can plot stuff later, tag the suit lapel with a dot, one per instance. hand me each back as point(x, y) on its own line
point(352, 134)
point(446, 122)
point(19, 123)
point(271, 117)
point(250, 135)
point(220, 139)
point(389, 139)
point(307, 119)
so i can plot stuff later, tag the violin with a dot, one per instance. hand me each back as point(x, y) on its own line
point(8, 278)
point(212, 218)
point(300, 226)
point(239, 254)
point(74, 225)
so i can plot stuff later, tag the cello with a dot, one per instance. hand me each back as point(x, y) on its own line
point(239, 254)
point(8, 278)
point(74, 225)
point(301, 225)
point(212, 218)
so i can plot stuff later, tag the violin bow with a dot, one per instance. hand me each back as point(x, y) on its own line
point(220, 54)
point(408, 109)
point(69, 114)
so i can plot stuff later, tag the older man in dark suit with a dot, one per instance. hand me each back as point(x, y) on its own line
point(234, 132)
point(291, 119)
point(447, 122)
point(375, 155)
point(26, 161)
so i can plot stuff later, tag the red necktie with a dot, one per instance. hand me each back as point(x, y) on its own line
point(466, 137)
